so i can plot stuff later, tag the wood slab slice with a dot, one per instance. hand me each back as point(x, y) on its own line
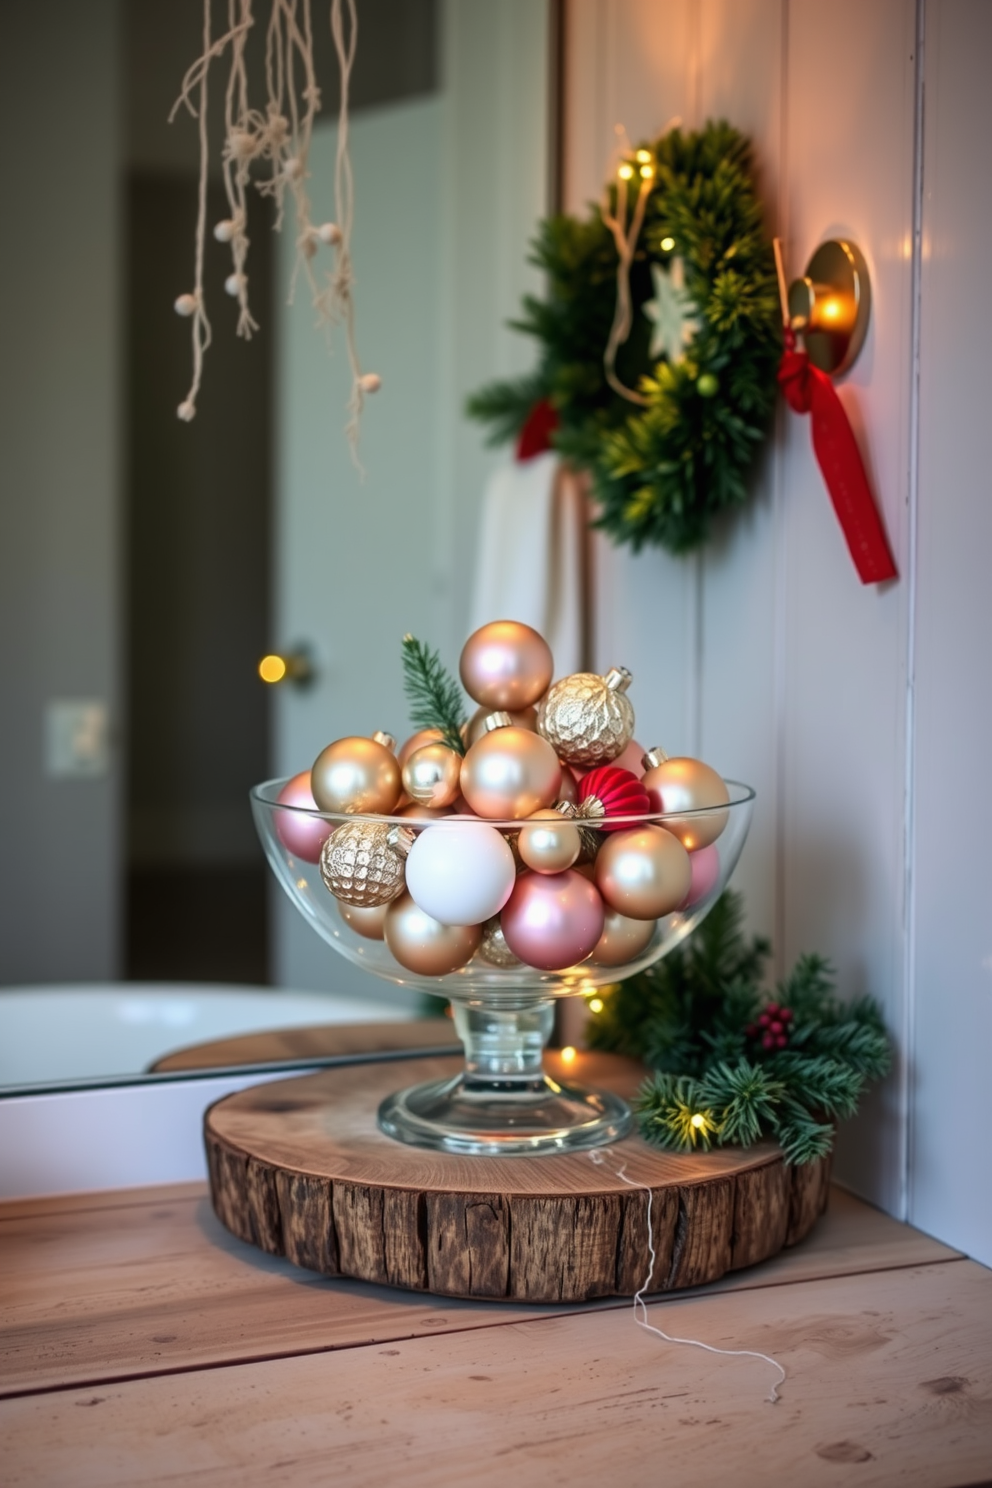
point(299, 1168)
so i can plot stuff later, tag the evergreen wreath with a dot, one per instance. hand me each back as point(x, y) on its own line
point(700, 359)
point(731, 1067)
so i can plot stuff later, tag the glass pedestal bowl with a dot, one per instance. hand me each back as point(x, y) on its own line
point(502, 1102)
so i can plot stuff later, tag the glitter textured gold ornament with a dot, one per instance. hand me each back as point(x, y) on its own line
point(588, 720)
point(510, 772)
point(356, 775)
point(494, 949)
point(685, 784)
point(431, 775)
point(362, 863)
point(506, 664)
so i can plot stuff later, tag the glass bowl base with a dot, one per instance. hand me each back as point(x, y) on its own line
point(512, 1119)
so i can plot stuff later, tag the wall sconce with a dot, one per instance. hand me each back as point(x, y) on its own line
point(296, 666)
point(830, 305)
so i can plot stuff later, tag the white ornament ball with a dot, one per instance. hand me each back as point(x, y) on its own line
point(370, 382)
point(186, 304)
point(460, 873)
point(235, 283)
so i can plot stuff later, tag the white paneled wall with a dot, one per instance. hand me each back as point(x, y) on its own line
point(854, 711)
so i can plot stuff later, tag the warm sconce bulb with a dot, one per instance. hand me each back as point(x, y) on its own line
point(626, 171)
point(831, 309)
point(272, 668)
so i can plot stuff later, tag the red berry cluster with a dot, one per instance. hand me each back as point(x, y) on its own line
point(772, 1028)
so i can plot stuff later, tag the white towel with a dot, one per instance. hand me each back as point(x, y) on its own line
point(530, 562)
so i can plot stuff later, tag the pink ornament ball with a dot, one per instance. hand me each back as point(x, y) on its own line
point(553, 920)
point(632, 759)
point(705, 866)
point(303, 836)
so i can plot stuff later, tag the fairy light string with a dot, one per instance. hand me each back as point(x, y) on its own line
point(640, 1305)
point(278, 137)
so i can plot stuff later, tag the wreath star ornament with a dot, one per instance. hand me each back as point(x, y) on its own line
point(672, 312)
point(660, 369)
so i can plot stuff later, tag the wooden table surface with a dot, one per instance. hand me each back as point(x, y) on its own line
point(142, 1344)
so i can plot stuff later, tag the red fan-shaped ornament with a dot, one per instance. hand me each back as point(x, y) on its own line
point(609, 791)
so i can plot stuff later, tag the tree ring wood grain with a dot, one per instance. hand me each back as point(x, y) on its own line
point(299, 1168)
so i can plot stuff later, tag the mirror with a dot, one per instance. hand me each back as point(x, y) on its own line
point(249, 530)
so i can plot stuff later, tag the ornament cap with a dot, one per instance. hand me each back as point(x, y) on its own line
point(654, 757)
point(497, 720)
point(567, 809)
point(401, 839)
point(618, 679)
point(386, 740)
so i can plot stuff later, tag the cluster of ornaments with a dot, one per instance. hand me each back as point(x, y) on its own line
point(527, 849)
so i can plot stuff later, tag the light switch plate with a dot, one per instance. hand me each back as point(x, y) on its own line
point(76, 738)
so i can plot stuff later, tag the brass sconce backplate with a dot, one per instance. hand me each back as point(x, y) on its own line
point(830, 305)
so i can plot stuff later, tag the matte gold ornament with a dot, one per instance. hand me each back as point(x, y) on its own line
point(509, 773)
point(643, 873)
point(588, 719)
point(526, 718)
point(685, 784)
point(361, 866)
point(356, 775)
point(494, 949)
point(431, 775)
point(548, 842)
point(506, 665)
point(425, 946)
point(622, 940)
point(366, 921)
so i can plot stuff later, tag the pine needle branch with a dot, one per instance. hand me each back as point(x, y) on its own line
point(433, 694)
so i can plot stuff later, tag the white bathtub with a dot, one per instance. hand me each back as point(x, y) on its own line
point(55, 1033)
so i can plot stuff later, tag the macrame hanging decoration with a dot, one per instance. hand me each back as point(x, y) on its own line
point(274, 143)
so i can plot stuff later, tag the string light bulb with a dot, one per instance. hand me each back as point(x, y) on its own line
point(567, 1054)
point(699, 1120)
point(667, 244)
point(626, 171)
point(647, 172)
point(643, 157)
point(595, 1004)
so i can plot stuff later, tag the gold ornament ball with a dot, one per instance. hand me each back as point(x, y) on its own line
point(684, 784)
point(423, 944)
point(417, 741)
point(354, 776)
point(360, 867)
point(643, 873)
point(548, 842)
point(588, 719)
point(526, 718)
point(622, 940)
point(431, 775)
point(494, 949)
point(506, 665)
point(367, 921)
point(418, 813)
point(510, 773)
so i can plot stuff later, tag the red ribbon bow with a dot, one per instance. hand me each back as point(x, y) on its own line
point(808, 390)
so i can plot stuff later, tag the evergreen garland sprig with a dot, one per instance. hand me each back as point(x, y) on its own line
point(694, 1018)
point(433, 694)
point(662, 471)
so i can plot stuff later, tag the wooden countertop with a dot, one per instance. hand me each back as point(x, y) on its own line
point(143, 1344)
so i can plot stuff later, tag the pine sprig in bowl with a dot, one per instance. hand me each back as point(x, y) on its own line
point(731, 1066)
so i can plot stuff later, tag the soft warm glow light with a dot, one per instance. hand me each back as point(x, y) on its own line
point(643, 155)
point(567, 1054)
point(595, 1004)
point(272, 668)
point(625, 172)
point(831, 310)
point(698, 1120)
point(667, 244)
point(647, 171)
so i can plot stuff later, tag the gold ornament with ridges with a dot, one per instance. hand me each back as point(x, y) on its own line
point(360, 866)
point(588, 720)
